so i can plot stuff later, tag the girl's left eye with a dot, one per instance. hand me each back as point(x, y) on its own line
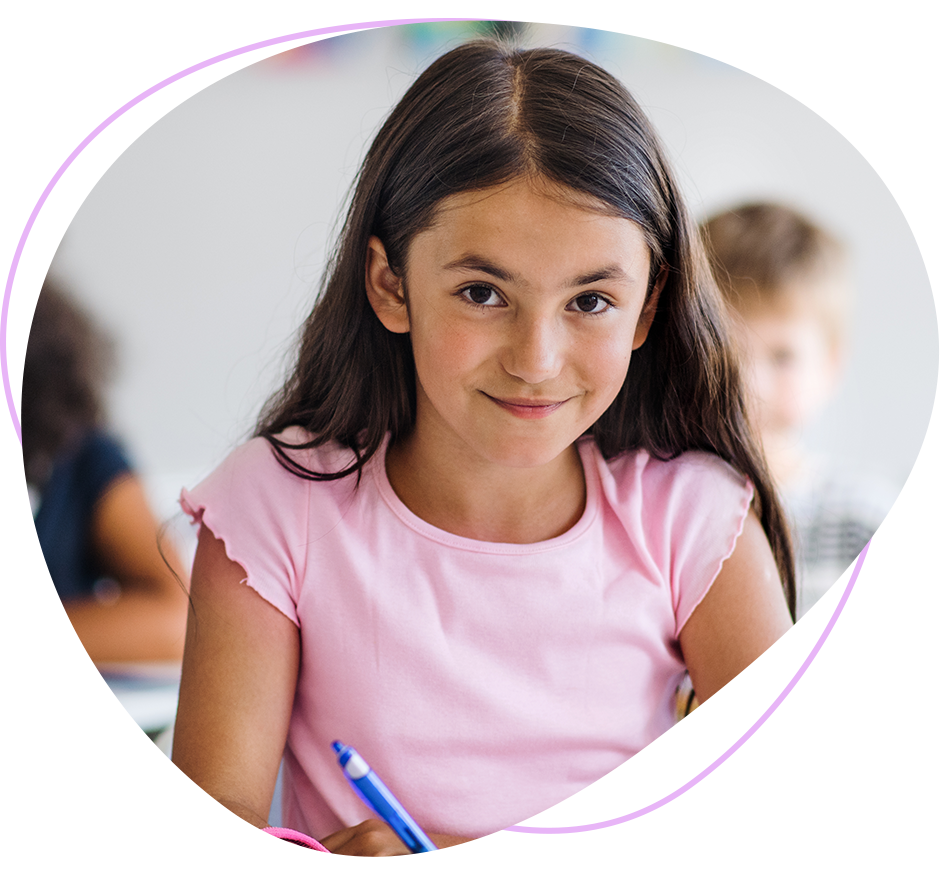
point(590, 302)
point(481, 295)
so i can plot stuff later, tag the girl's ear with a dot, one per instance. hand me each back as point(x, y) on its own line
point(385, 290)
point(649, 309)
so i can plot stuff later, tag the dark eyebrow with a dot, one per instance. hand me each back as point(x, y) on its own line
point(611, 272)
point(478, 263)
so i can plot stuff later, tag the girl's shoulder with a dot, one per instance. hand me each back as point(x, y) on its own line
point(264, 513)
point(682, 516)
point(267, 462)
point(693, 499)
point(257, 475)
point(692, 490)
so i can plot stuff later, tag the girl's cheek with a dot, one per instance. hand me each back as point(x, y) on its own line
point(611, 356)
point(446, 350)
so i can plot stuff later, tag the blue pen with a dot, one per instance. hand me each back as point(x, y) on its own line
point(377, 797)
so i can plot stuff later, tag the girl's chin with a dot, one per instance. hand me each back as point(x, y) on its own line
point(526, 454)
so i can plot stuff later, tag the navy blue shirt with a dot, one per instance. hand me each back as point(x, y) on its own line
point(64, 519)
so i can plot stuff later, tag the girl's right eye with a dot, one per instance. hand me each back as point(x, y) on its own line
point(481, 295)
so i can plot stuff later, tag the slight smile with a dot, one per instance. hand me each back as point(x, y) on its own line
point(528, 409)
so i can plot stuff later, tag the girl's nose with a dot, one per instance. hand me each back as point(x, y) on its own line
point(533, 351)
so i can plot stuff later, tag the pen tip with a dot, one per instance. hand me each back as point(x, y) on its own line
point(337, 746)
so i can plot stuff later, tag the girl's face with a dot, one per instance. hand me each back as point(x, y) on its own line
point(524, 305)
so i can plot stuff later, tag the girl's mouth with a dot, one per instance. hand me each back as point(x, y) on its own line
point(528, 409)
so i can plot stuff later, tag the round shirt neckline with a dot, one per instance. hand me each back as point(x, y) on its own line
point(586, 451)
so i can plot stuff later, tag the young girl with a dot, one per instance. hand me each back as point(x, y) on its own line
point(508, 494)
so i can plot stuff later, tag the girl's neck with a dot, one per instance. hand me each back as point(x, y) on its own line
point(474, 499)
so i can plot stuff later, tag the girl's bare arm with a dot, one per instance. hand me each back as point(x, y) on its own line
point(237, 692)
point(239, 676)
point(741, 616)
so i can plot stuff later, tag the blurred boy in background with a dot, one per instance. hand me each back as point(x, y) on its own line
point(787, 281)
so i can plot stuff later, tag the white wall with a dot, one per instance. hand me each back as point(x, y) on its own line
point(200, 247)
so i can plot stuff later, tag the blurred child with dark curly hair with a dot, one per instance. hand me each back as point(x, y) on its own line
point(95, 526)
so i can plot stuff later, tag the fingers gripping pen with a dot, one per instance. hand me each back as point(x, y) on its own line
point(377, 797)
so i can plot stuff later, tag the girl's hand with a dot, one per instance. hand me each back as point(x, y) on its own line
point(372, 839)
point(375, 839)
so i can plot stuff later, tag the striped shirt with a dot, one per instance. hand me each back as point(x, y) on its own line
point(833, 512)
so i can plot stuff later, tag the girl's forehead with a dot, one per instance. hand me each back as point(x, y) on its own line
point(536, 222)
point(535, 226)
point(522, 191)
point(526, 207)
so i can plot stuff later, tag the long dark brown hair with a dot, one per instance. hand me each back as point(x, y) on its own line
point(482, 115)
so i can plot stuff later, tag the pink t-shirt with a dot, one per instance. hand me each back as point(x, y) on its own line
point(483, 682)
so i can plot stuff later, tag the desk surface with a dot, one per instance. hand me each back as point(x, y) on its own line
point(148, 691)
